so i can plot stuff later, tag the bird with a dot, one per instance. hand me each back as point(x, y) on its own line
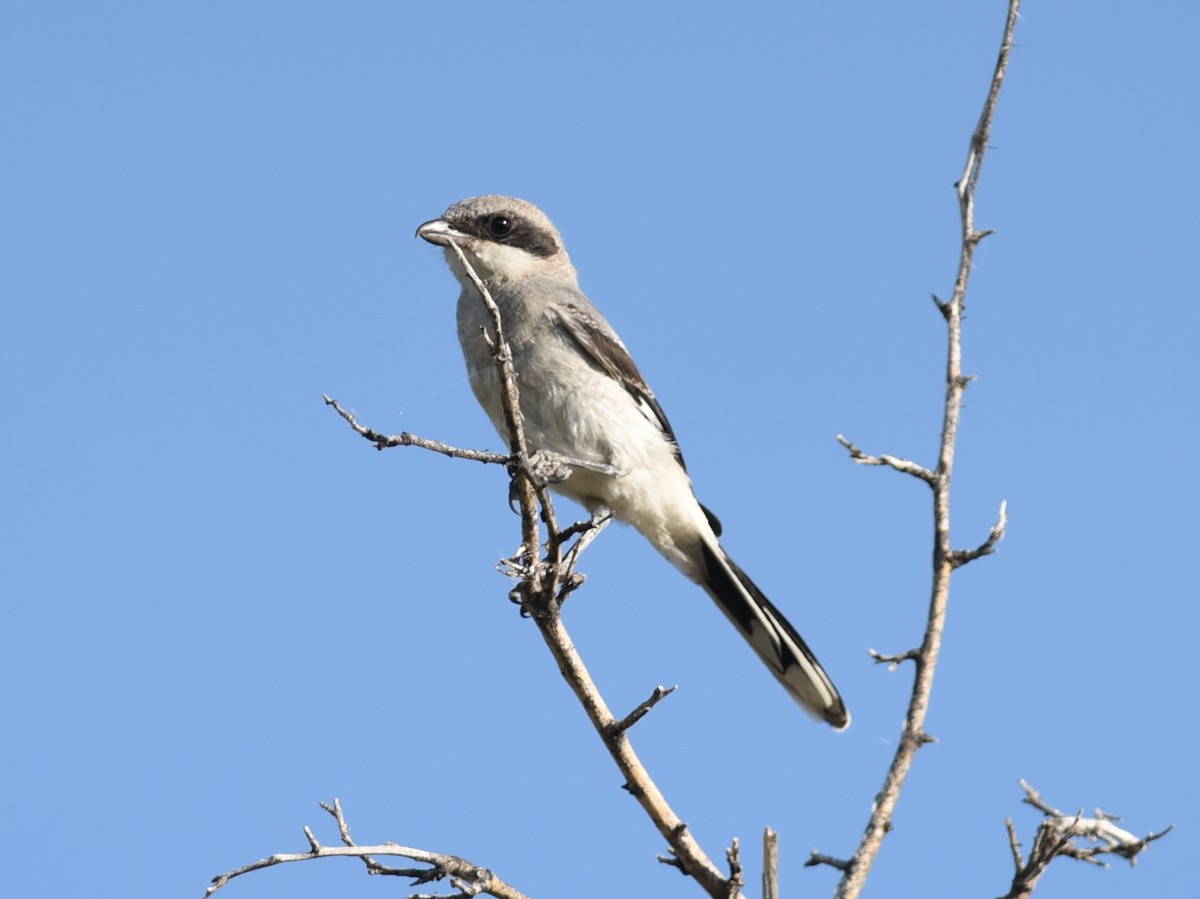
point(583, 398)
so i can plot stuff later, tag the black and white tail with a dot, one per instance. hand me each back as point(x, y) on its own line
point(772, 637)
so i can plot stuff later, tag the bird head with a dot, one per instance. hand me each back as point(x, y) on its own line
point(505, 240)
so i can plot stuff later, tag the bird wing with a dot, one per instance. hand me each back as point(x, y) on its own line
point(598, 342)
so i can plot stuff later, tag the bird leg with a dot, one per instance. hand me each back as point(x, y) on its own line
point(546, 468)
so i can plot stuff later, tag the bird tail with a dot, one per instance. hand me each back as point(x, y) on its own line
point(772, 637)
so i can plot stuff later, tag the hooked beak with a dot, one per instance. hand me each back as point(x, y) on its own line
point(439, 232)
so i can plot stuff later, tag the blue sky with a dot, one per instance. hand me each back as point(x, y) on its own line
point(222, 607)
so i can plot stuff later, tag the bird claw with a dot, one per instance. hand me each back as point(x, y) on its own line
point(543, 468)
point(550, 468)
point(546, 468)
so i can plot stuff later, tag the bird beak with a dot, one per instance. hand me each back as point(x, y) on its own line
point(439, 232)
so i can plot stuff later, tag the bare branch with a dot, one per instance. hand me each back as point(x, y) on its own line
point(770, 875)
point(688, 855)
point(660, 693)
point(386, 441)
point(671, 862)
point(944, 558)
point(819, 858)
point(588, 531)
point(960, 557)
point(733, 856)
point(1014, 844)
point(906, 466)
point(312, 840)
point(477, 880)
point(1070, 836)
point(894, 662)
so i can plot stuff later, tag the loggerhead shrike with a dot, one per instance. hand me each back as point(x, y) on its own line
point(582, 397)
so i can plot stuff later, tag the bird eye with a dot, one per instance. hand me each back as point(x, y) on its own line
point(500, 225)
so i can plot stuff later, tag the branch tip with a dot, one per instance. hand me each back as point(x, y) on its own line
point(1014, 844)
point(733, 857)
point(894, 661)
point(672, 861)
point(905, 466)
point(816, 858)
point(660, 693)
point(312, 840)
point(960, 557)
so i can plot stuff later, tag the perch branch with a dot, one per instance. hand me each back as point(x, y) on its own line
point(543, 584)
point(510, 401)
point(539, 591)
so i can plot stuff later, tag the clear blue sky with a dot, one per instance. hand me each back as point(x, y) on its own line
point(220, 606)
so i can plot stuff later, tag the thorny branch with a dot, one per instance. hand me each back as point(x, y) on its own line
point(945, 557)
point(542, 585)
point(467, 879)
point(1069, 836)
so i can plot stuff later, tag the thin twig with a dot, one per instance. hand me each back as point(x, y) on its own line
point(960, 557)
point(820, 858)
point(588, 531)
point(480, 881)
point(894, 661)
point(733, 856)
point(906, 466)
point(386, 441)
point(1014, 845)
point(944, 561)
point(660, 693)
